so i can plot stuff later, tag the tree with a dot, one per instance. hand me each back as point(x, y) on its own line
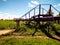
point(50, 12)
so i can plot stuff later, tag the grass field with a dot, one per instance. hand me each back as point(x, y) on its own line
point(28, 41)
point(25, 30)
point(7, 24)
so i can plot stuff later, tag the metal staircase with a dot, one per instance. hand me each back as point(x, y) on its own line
point(42, 12)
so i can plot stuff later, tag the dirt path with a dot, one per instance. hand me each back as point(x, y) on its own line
point(24, 37)
point(5, 31)
point(16, 36)
point(44, 37)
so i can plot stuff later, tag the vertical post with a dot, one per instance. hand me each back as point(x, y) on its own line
point(48, 27)
point(34, 11)
point(29, 15)
point(17, 26)
point(42, 10)
point(39, 9)
point(25, 17)
point(59, 15)
point(58, 21)
point(50, 10)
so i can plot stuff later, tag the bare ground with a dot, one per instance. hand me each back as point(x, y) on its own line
point(4, 31)
point(17, 36)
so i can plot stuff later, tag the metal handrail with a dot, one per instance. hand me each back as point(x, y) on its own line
point(55, 9)
point(29, 11)
point(40, 9)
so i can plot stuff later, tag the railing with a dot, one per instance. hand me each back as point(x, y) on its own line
point(40, 9)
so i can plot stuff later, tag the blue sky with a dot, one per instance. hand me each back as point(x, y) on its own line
point(16, 8)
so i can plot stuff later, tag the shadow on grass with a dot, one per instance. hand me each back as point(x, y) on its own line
point(43, 29)
point(56, 32)
point(38, 26)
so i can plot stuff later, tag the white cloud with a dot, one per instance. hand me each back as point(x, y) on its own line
point(57, 5)
point(7, 16)
point(33, 3)
point(30, 5)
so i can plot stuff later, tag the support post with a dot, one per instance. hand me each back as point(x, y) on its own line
point(42, 10)
point(29, 15)
point(48, 26)
point(34, 11)
point(17, 26)
point(48, 29)
point(58, 21)
point(39, 9)
point(50, 10)
point(25, 17)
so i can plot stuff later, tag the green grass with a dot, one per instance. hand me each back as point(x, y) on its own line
point(28, 41)
point(7, 24)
